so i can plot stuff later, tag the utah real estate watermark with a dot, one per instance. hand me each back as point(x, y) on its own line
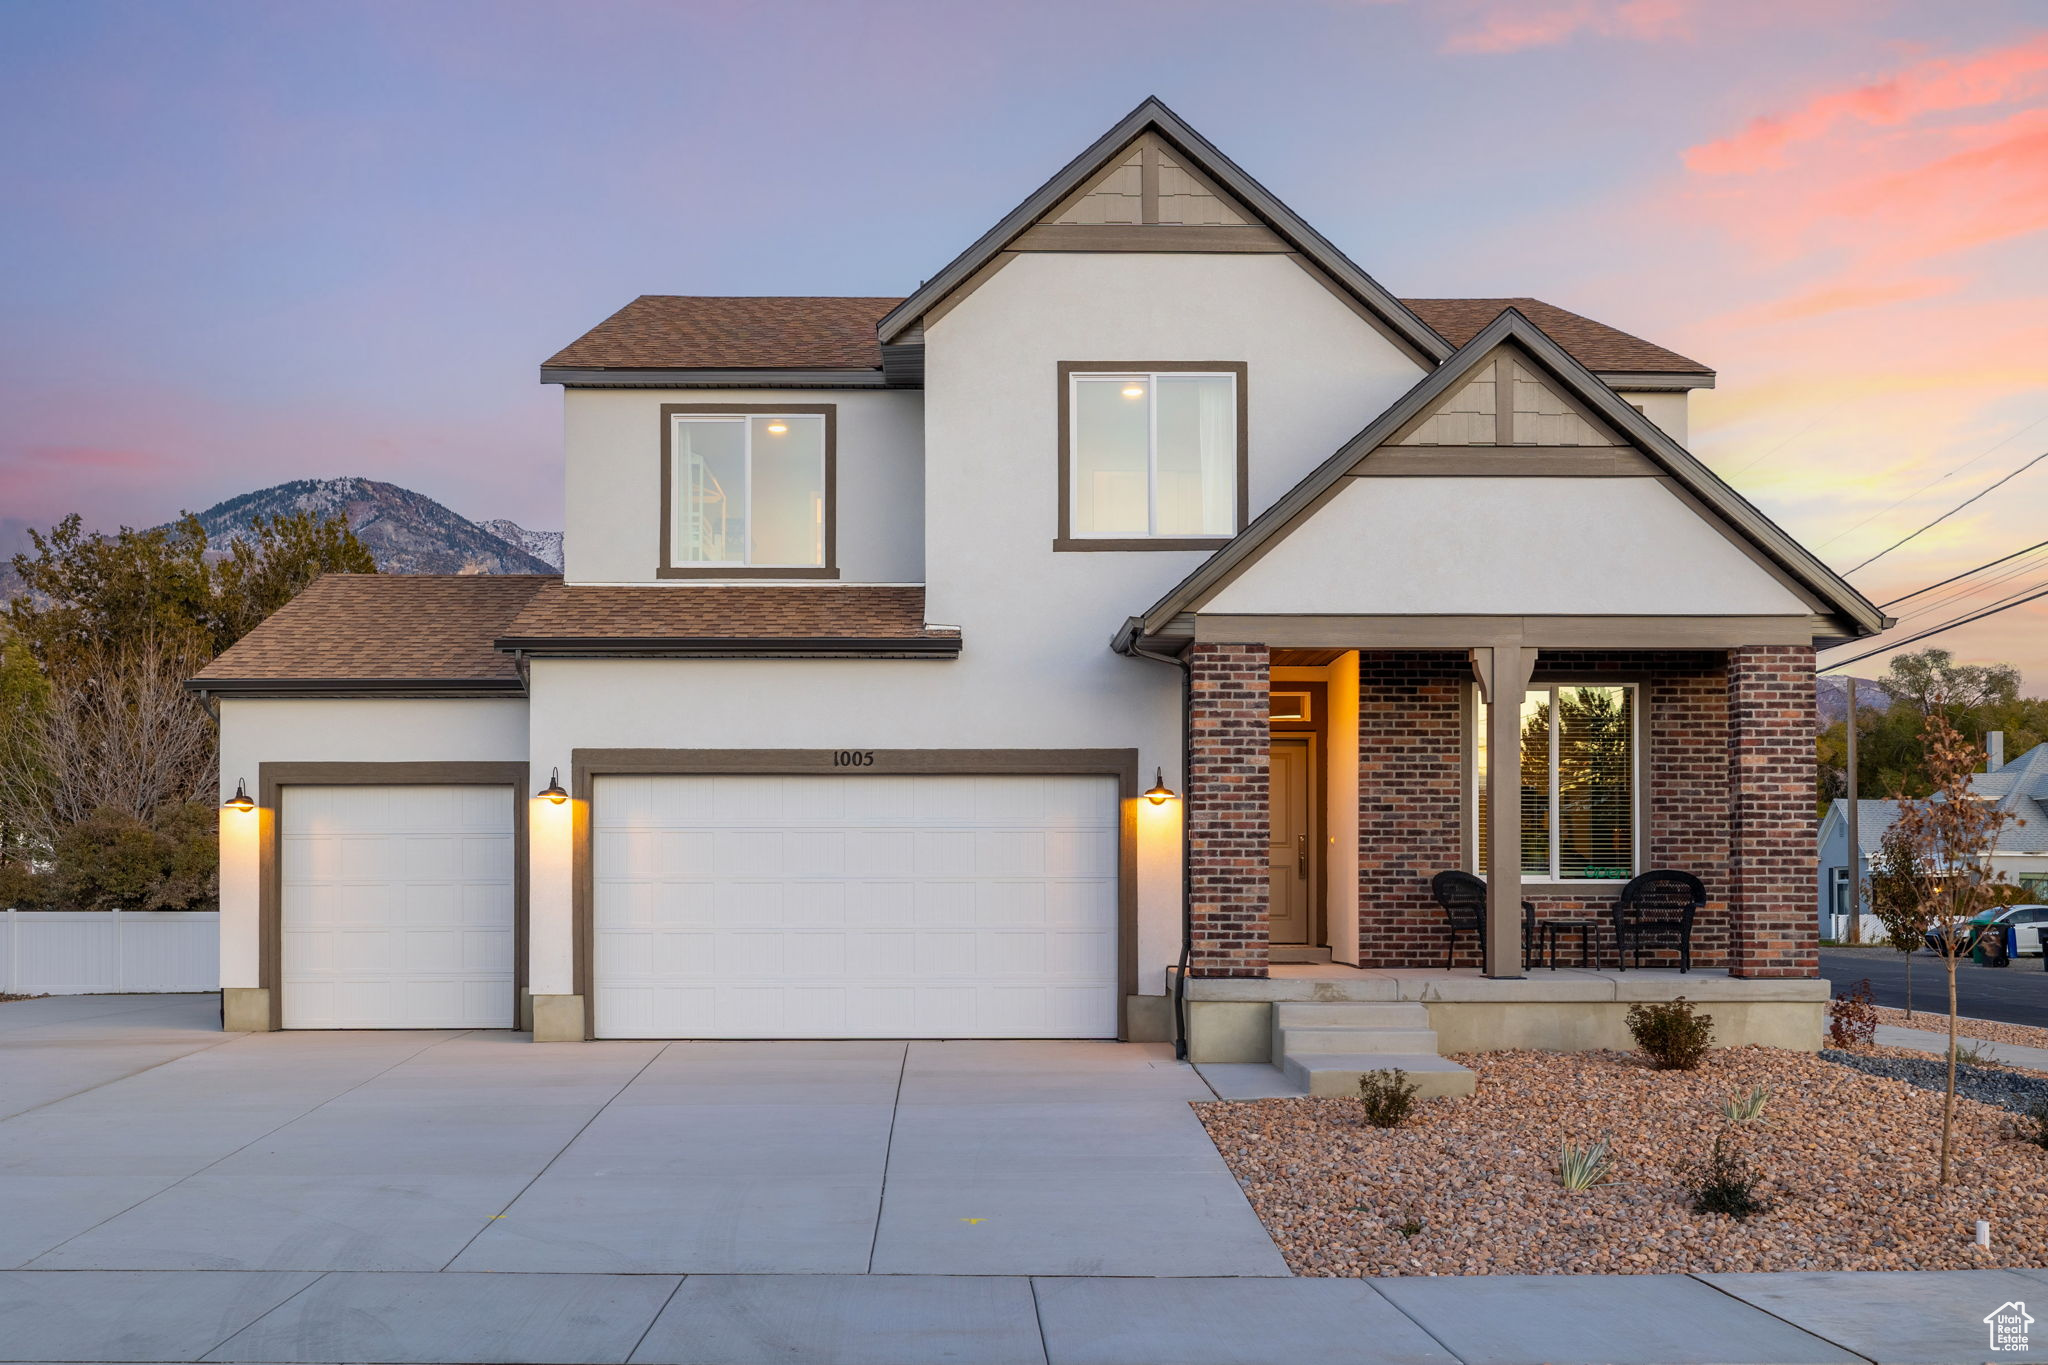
point(2008, 1325)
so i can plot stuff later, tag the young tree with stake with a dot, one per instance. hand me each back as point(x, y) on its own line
point(1950, 835)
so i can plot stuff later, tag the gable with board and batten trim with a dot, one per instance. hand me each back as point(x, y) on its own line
point(1511, 484)
point(1505, 497)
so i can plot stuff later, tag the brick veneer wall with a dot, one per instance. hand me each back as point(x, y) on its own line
point(1413, 810)
point(1226, 810)
point(1410, 802)
point(1770, 792)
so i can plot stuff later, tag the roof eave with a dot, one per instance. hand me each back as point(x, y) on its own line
point(311, 687)
point(732, 647)
point(1656, 381)
point(680, 377)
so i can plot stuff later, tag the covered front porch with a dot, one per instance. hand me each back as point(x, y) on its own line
point(1327, 788)
point(1328, 785)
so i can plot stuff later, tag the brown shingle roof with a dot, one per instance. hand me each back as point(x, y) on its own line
point(700, 617)
point(1595, 345)
point(359, 628)
point(659, 332)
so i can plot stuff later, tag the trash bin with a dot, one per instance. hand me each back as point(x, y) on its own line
point(1994, 949)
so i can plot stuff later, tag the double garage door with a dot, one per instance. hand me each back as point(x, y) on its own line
point(723, 907)
point(855, 907)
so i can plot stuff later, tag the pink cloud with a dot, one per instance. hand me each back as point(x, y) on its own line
point(1937, 86)
point(1514, 27)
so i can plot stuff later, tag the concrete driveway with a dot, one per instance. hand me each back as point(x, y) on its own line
point(137, 1136)
point(171, 1193)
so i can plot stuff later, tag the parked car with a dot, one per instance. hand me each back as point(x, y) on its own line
point(2029, 925)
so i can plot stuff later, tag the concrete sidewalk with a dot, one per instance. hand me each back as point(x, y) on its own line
point(452, 1317)
point(1935, 1040)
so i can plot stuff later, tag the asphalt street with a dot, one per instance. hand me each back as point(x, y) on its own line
point(2015, 995)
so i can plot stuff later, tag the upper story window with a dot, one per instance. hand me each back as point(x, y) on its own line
point(747, 492)
point(1152, 456)
point(1579, 783)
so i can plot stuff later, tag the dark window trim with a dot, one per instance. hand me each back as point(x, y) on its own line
point(1639, 773)
point(671, 411)
point(1066, 540)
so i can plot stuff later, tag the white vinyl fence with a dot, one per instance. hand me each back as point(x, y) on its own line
point(79, 952)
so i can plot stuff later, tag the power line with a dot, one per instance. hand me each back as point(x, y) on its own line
point(1951, 512)
point(2038, 593)
point(1991, 564)
point(2026, 564)
point(1933, 481)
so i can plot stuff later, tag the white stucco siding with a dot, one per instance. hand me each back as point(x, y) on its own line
point(612, 497)
point(1506, 546)
point(1668, 410)
point(1072, 694)
point(1316, 373)
point(254, 732)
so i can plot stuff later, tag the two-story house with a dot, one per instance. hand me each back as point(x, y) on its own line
point(1115, 617)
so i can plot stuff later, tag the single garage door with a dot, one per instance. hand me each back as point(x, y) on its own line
point(397, 907)
point(855, 907)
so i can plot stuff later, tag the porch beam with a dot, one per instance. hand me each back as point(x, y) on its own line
point(1504, 671)
point(1545, 632)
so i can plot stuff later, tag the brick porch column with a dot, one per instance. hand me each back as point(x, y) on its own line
point(1771, 852)
point(1228, 826)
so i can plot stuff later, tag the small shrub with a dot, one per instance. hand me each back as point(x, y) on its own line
point(1411, 1226)
point(1725, 1183)
point(1672, 1035)
point(1746, 1107)
point(1969, 1052)
point(1387, 1097)
point(1852, 1017)
point(1581, 1168)
point(2032, 1127)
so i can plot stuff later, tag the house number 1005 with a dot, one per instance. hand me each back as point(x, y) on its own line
point(853, 758)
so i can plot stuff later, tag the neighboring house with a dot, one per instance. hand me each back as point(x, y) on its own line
point(959, 665)
point(2020, 788)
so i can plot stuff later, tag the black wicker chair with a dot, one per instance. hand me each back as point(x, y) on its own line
point(1463, 898)
point(1657, 905)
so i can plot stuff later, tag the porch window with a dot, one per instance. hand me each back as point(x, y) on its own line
point(1579, 778)
point(1153, 454)
point(748, 490)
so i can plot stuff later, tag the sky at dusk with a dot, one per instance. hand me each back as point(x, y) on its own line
point(249, 242)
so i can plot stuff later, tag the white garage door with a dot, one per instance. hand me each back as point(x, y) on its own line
point(855, 907)
point(397, 907)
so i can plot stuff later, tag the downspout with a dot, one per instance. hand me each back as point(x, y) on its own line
point(1126, 642)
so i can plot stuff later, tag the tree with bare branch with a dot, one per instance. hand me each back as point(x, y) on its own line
point(1897, 890)
point(1950, 835)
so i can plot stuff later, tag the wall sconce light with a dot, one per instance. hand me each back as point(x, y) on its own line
point(1160, 793)
point(241, 800)
point(553, 792)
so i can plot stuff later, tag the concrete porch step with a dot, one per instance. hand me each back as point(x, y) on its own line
point(1341, 1038)
point(1350, 1014)
point(1338, 1073)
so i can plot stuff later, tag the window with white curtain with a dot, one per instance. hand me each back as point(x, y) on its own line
point(748, 490)
point(1153, 454)
point(1579, 777)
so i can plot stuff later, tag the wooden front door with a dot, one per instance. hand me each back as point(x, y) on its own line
point(1291, 850)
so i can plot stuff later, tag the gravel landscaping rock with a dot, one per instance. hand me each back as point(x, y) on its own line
point(1848, 1162)
point(2013, 1090)
point(1989, 1030)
